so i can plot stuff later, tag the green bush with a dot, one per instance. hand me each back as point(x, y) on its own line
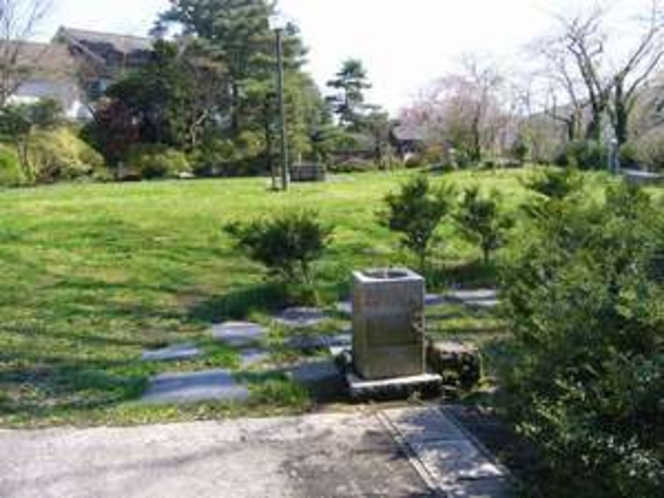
point(482, 222)
point(416, 213)
point(353, 165)
point(59, 154)
point(555, 183)
point(152, 161)
point(582, 376)
point(584, 155)
point(629, 156)
point(215, 157)
point(11, 174)
point(286, 245)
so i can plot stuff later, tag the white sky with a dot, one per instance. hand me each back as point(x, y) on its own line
point(404, 44)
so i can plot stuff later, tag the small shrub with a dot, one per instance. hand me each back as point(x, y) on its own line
point(215, 157)
point(59, 154)
point(152, 161)
point(629, 156)
point(555, 183)
point(584, 155)
point(416, 212)
point(353, 165)
point(11, 174)
point(286, 245)
point(481, 221)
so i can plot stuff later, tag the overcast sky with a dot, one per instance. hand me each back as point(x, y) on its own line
point(404, 44)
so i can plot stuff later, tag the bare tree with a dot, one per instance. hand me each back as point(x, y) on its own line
point(19, 20)
point(595, 83)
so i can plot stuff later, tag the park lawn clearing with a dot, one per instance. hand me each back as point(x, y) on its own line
point(93, 275)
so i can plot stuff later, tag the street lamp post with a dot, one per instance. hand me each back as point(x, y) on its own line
point(278, 25)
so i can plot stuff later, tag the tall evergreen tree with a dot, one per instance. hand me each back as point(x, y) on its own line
point(237, 32)
point(351, 82)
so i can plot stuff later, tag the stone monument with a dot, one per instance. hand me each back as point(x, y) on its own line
point(388, 324)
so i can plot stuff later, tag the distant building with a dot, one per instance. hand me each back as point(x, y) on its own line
point(77, 67)
point(407, 140)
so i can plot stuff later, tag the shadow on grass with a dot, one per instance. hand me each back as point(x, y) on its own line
point(237, 305)
point(465, 274)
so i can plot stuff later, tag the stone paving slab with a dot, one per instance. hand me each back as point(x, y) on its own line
point(456, 461)
point(327, 455)
point(239, 334)
point(212, 385)
point(176, 352)
point(320, 341)
point(482, 488)
point(315, 372)
point(252, 357)
point(301, 317)
point(478, 298)
point(418, 425)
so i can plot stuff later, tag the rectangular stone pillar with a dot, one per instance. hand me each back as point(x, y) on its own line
point(388, 324)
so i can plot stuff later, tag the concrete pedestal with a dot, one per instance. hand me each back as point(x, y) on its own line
point(388, 324)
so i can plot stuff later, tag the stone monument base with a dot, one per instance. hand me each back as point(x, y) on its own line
point(400, 387)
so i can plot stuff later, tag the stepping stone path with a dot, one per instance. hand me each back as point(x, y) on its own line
point(177, 352)
point(239, 334)
point(314, 372)
point(211, 385)
point(478, 298)
point(252, 357)
point(446, 455)
point(299, 318)
point(304, 343)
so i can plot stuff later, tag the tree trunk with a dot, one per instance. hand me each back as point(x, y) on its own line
point(620, 114)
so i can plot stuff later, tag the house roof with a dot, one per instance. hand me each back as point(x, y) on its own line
point(40, 60)
point(124, 44)
point(405, 132)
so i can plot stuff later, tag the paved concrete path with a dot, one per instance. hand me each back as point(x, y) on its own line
point(330, 455)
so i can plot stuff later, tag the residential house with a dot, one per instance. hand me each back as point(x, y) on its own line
point(76, 67)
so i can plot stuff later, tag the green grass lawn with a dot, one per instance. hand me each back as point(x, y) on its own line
point(90, 275)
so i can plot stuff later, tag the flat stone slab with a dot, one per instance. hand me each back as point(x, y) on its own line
point(455, 461)
point(315, 372)
point(478, 298)
point(252, 357)
point(320, 341)
point(481, 488)
point(239, 334)
point(176, 352)
point(419, 425)
point(300, 318)
point(180, 388)
point(348, 455)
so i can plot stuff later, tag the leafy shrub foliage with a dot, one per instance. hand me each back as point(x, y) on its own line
point(555, 183)
point(416, 212)
point(152, 161)
point(584, 155)
point(481, 221)
point(583, 373)
point(11, 174)
point(59, 154)
point(286, 245)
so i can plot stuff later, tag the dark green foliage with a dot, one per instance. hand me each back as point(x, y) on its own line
point(583, 377)
point(286, 244)
point(481, 221)
point(555, 183)
point(351, 81)
point(11, 174)
point(585, 155)
point(416, 212)
point(153, 161)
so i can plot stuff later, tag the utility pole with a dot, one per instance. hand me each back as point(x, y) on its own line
point(278, 25)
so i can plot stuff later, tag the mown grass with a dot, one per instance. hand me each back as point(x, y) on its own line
point(90, 275)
